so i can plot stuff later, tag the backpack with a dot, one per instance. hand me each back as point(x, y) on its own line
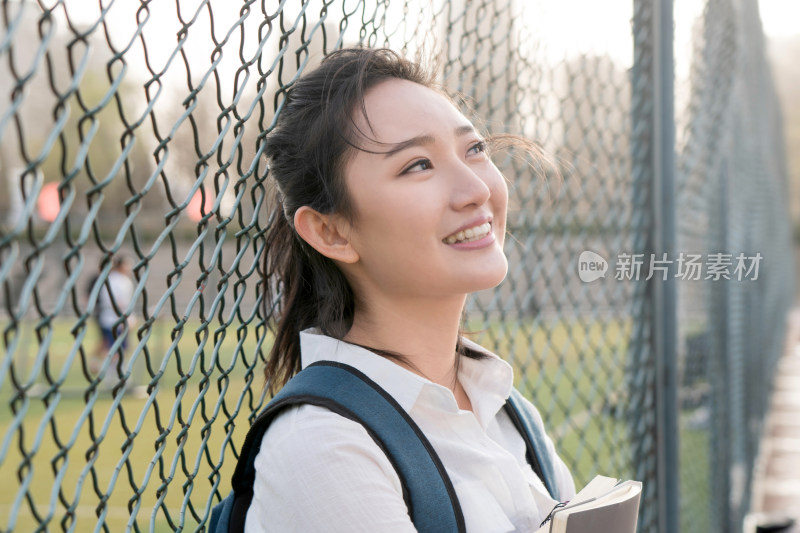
point(427, 489)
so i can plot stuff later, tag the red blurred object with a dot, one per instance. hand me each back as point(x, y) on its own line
point(194, 211)
point(48, 204)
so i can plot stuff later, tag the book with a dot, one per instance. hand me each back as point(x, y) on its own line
point(604, 505)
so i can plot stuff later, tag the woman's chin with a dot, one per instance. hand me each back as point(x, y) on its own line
point(489, 278)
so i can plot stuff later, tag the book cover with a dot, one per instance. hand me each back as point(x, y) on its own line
point(605, 504)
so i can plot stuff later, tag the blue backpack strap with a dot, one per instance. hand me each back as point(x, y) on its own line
point(427, 490)
point(533, 434)
point(220, 519)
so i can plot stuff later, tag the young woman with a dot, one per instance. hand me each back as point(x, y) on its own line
point(389, 213)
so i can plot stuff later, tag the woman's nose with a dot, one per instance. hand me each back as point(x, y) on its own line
point(470, 188)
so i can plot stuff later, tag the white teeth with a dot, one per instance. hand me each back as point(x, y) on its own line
point(470, 234)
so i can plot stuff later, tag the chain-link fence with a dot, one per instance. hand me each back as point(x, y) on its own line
point(732, 199)
point(134, 128)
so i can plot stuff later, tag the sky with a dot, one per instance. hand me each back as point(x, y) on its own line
point(601, 27)
point(780, 18)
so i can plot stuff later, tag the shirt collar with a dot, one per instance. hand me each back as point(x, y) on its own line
point(402, 384)
point(487, 381)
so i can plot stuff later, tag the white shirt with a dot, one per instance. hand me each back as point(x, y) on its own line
point(121, 288)
point(320, 472)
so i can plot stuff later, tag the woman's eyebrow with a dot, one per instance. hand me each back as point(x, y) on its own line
point(466, 129)
point(419, 140)
point(423, 140)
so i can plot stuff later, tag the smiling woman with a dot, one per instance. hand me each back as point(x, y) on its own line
point(410, 244)
point(389, 211)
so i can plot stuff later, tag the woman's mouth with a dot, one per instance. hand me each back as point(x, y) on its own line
point(469, 234)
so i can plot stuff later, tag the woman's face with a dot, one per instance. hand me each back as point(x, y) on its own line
point(430, 209)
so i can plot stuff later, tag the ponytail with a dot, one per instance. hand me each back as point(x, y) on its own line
point(304, 289)
point(306, 151)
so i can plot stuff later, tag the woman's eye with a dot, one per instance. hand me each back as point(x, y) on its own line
point(417, 166)
point(477, 148)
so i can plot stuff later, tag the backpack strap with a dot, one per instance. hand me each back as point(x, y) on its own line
point(535, 442)
point(427, 490)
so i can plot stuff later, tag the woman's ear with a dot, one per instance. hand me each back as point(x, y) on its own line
point(327, 234)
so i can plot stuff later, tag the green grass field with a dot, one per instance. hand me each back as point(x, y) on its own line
point(82, 446)
point(153, 459)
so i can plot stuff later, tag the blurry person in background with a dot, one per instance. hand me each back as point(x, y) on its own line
point(114, 298)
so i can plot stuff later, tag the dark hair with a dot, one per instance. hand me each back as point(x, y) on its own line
point(119, 261)
point(307, 151)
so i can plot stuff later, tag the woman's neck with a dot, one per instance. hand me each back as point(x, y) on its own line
point(425, 335)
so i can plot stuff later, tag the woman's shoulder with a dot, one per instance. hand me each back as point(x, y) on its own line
point(311, 437)
point(300, 424)
point(319, 471)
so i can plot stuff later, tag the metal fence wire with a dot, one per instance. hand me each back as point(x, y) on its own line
point(135, 128)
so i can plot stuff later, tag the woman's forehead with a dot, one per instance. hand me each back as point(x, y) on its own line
point(399, 109)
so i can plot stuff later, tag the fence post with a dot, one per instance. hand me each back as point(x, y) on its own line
point(654, 150)
point(723, 405)
point(665, 308)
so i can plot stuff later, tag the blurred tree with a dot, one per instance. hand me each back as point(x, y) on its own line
point(68, 116)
